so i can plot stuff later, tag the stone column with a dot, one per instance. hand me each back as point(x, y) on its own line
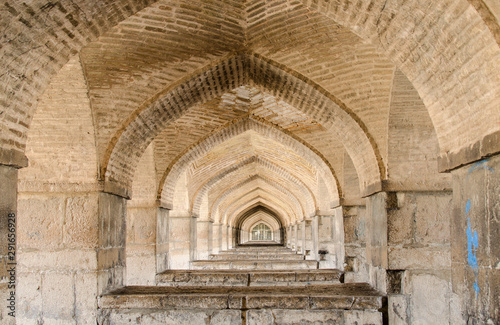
point(203, 239)
point(301, 231)
point(8, 223)
point(181, 241)
point(162, 238)
point(111, 243)
point(296, 237)
point(141, 243)
point(338, 237)
point(217, 238)
point(229, 240)
point(78, 251)
point(315, 237)
point(307, 239)
point(376, 239)
point(475, 241)
point(288, 236)
point(328, 258)
point(224, 239)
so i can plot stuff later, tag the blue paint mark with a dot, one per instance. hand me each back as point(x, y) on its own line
point(481, 165)
point(467, 207)
point(360, 231)
point(472, 245)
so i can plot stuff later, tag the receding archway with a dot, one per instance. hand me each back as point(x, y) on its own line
point(254, 216)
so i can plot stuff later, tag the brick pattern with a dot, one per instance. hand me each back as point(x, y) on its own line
point(213, 165)
point(251, 198)
point(413, 144)
point(222, 183)
point(142, 130)
point(138, 58)
point(445, 50)
point(267, 188)
point(38, 39)
point(148, 123)
point(45, 35)
point(226, 190)
point(294, 184)
point(275, 151)
point(60, 144)
point(333, 57)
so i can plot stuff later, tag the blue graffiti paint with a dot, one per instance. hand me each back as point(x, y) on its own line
point(472, 245)
point(472, 237)
point(480, 165)
point(360, 231)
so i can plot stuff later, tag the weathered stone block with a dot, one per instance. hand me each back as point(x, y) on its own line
point(58, 297)
point(429, 302)
point(141, 225)
point(29, 297)
point(400, 222)
point(40, 221)
point(259, 317)
point(398, 310)
point(86, 298)
point(433, 218)
point(277, 301)
point(226, 317)
point(419, 258)
point(64, 260)
point(365, 317)
point(81, 222)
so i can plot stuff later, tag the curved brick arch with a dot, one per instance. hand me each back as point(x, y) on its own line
point(267, 165)
point(42, 36)
point(270, 190)
point(459, 58)
point(448, 53)
point(256, 200)
point(254, 209)
point(260, 217)
point(266, 191)
point(242, 184)
point(146, 123)
point(226, 175)
point(168, 181)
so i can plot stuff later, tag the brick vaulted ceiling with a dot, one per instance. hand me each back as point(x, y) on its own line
point(279, 91)
point(139, 61)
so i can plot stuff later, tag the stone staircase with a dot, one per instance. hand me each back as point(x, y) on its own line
point(271, 285)
point(256, 258)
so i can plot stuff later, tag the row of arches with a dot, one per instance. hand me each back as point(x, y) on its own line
point(152, 128)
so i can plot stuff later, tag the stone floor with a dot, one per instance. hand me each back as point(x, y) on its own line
point(237, 295)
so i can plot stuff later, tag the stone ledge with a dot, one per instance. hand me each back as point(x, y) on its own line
point(117, 189)
point(360, 296)
point(242, 278)
point(13, 158)
point(488, 146)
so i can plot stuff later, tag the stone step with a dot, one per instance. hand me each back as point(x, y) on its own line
point(254, 265)
point(258, 256)
point(261, 245)
point(248, 278)
point(325, 304)
point(261, 252)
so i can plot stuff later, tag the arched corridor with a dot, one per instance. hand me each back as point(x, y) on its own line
point(141, 139)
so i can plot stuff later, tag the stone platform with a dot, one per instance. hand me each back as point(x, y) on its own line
point(256, 258)
point(337, 303)
point(251, 285)
point(247, 278)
